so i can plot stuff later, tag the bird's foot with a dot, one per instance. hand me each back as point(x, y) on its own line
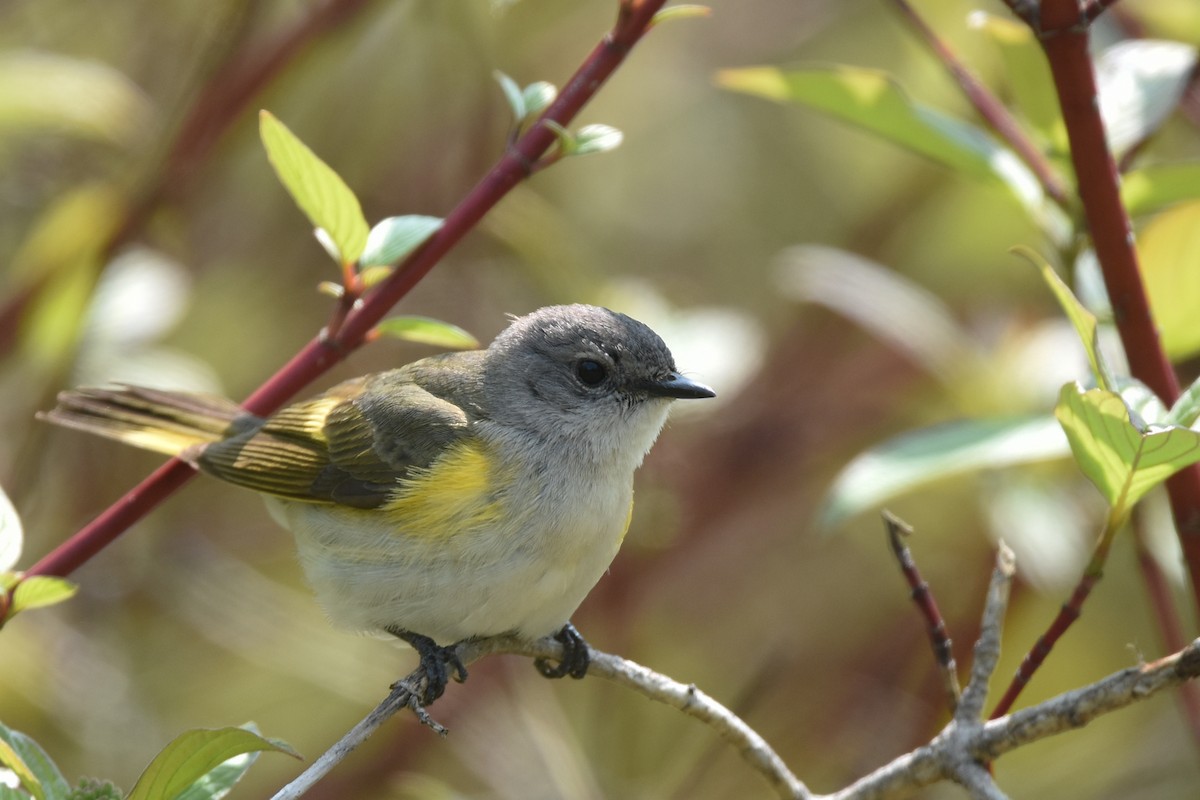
point(438, 664)
point(575, 657)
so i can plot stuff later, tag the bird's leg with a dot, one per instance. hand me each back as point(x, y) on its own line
point(575, 658)
point(438, 663)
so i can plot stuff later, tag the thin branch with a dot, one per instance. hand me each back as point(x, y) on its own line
point(989, 107)
point(686, 698)
point(987, 647)
point(922, 596)
point(321, 353)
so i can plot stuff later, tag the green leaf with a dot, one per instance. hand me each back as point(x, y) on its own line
point(597, 139)
point(1169, 252)
point(38, 591)
point(323, 196)
point(513, 94)
point(538, 96)
point(37, 772)
point(1146, 190)
point(11, 534)
point(220, 780)
point(922, 457)
point(425, 330)
point(1084, 321)
point(873, 101)
point(194, 754)
point(1186, 410)
point(1122, 458)
point(681, 11)
point(1139, 82)
point(1028, 75)
point(396, 237)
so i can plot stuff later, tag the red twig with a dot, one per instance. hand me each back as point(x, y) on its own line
point(935, 624)
point(1063, 32)
point(989, 107)
point(633, 19)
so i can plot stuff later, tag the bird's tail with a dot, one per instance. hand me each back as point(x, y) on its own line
point(166, 422)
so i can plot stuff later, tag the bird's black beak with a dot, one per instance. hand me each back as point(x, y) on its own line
point(679, 387)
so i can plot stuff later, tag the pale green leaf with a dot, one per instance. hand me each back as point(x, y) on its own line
point(396, 237)
point(1027, 74)
point(15, 764)
point(1140, 82)
point(538, 96)
point(11, 534)
point(597, 139)
point(40, 91)
point(220, 780)
point(1146, 190)
point(681, 11)
point(34, 764)
point(319, 192)
point(1084, 321)
point(566, 140)
point(194, 754)
point(425, 330)
point(1186, 410)
point(872, 100)
point(513, 94)
point(38, 591)
point(922, 457)
point(1169, 252)
point(1121, 459)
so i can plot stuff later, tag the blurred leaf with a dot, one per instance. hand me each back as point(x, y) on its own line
point(1155, 187)
point(1169, 251)
point(218, 781)
point(396, 237)
point(12, 536)
point(73, 227)
point(425, 330)
point(13, 762)
point(597, 139)
point(513, 94)
point(682, 11)
point(887, 304)
point(84, 98)
point(1028, 75)
point(321, 194)
point(38, 591)
point(1186, 410)
point(872, 100)
point(538, 96)
point(922, 457)
point(373, 276)
point(1140, 82)
point(1084, 321)
point(50, 783)
point(194, 754)
point(1122, 458)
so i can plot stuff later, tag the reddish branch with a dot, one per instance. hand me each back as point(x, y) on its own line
point(939, 639)
point(989, 107)
point(633, 20)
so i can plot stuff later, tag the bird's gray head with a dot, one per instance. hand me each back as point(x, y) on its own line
point(589, 376)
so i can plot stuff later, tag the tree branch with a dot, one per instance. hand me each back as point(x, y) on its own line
point(633, 20)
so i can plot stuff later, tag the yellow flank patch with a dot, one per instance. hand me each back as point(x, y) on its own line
point(628, 519)
point(457, 493)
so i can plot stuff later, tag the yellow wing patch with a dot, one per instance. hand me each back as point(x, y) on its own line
point(460, 491)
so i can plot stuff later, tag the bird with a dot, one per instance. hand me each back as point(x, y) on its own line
point(460, 496)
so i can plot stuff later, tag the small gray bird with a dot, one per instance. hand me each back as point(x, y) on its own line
point(462, 495)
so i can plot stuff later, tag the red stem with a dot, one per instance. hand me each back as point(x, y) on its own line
point(320, 354)
point(1064, 37)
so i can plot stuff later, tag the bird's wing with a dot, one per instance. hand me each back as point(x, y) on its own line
point(351, 445)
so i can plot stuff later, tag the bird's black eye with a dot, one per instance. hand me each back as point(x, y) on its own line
point(589, 372)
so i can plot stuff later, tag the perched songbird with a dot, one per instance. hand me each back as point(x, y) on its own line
point(463, 495)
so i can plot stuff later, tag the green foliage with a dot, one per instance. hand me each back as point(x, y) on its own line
point(395, 237)
point(192, 756)
point(1157, 186)
point(89, 789)
point(319, 192)
point(1122, 455)
point(1169, 253)
point(39, 591)
point(34, 769)
point(425, 330)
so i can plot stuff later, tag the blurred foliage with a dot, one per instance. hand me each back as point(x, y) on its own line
point(198, 617)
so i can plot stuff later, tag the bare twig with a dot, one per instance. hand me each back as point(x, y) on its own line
point(686, 698)
point(939, 639)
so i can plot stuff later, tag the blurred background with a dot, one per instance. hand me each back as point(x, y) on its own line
point(714, 223)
